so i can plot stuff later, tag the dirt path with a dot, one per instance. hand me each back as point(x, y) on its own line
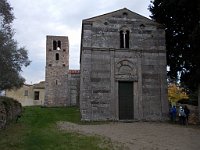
point(143, 135)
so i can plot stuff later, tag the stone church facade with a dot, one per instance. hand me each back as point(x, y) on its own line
point(122, 69)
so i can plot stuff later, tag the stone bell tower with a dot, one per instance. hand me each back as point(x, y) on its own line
point(57, 66)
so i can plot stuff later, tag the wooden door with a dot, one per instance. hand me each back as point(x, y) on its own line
point(126, 111)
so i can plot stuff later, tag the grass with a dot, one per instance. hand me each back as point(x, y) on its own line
point(36, 130)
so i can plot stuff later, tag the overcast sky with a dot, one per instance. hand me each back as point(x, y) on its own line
point(37, 18)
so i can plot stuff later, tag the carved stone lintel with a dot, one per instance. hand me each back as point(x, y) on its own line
point(126, 78)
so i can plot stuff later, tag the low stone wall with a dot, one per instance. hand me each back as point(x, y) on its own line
point(10, 110)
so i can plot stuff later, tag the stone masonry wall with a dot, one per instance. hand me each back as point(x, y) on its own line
point(74, 87)
point(154, 86)
point(100, 84)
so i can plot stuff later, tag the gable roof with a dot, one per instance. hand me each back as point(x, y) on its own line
point(119, 14)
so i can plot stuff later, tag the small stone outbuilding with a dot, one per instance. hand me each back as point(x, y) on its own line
point(123, 68)
point(28, 95)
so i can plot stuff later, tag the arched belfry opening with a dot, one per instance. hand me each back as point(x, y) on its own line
point(54, 45)
point(59, 45)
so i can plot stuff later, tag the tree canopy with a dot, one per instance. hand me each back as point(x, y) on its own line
point(12, 58)
point(181, 19)
point(176, 93)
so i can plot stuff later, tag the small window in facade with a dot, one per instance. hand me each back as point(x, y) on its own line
point(57, 56)
point(127, 39)
point(121, 39)
point(125, 14)
point(124, 39)
point(56, 82)
point(26, 93)
point(106, 23)
point(54, 45)
point(142, 26)
point(36, 95)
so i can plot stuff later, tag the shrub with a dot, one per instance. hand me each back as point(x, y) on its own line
point(10, 110)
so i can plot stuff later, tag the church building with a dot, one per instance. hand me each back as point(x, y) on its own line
point(123, 68)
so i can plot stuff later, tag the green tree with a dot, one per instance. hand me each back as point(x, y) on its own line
point(181, 19)
point(12, 58)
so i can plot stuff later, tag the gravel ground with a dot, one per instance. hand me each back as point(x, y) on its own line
point(143, 135)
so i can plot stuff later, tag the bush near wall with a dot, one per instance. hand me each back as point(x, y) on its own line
point(10, 110)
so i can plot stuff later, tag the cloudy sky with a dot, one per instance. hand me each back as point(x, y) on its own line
point(37, 18)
